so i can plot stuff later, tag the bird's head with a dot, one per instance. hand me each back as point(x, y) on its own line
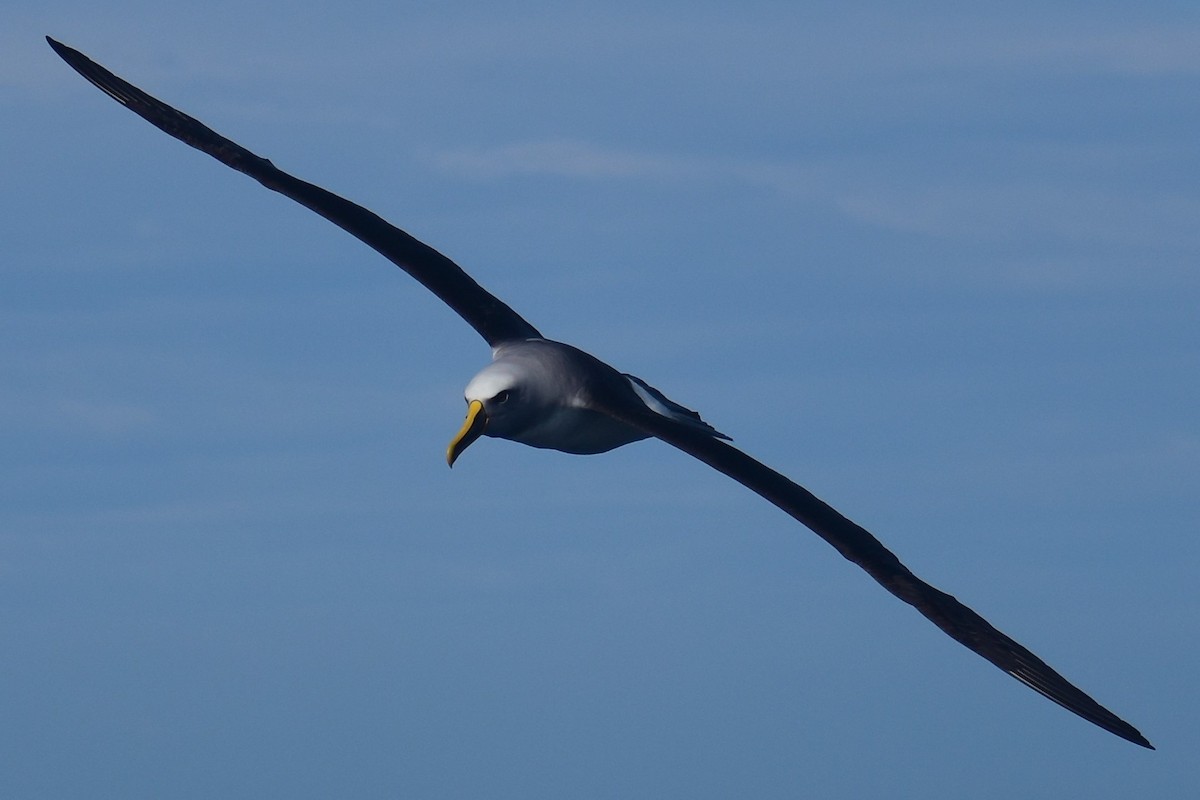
point(499, 403)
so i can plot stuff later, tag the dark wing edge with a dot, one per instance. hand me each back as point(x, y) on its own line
point(483, 311)
point(856, 544)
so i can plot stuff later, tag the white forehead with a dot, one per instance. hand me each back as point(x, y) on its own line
point(490, 381)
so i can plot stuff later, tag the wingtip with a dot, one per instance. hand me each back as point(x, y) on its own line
point(60, 49)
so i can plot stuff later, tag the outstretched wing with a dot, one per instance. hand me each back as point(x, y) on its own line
point(859, 546)
point(482, 310)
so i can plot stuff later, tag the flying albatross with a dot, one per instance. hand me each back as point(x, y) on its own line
point(551, 395)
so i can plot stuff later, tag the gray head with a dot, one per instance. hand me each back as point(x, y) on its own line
point(501, 402)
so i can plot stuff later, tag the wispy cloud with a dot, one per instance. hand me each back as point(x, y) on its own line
point(577, 159)
point(564, 158)
point(1142, 51)
point(1002, 211)
point(882, 195)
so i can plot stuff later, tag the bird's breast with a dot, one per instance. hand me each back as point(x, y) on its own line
point(577, 430)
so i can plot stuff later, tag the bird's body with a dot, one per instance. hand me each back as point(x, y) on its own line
point(551, 395)
point(542, 393)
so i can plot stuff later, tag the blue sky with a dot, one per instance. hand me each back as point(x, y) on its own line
point(937, 264)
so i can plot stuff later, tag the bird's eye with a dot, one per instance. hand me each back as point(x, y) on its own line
point(501, 397)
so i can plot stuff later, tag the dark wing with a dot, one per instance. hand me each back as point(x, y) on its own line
point(494, 320)
point(858, 545)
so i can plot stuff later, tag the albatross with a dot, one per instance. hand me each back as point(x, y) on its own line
point(547, 394)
